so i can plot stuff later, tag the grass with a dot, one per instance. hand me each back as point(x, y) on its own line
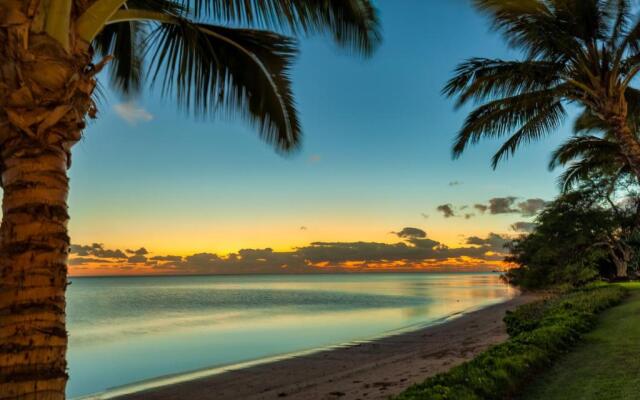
point(606, 365)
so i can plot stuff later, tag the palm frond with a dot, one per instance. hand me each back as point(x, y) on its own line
point(546, 120)
point(583, 147)
point(480, 79)
point(575, 173)
point(353, 24)
point(540, 28)
point(632, 38)
point(587, 123)
point(619, 13)
point(499, 117)
point(583, 52)
point(123, 41)
point(210, 68)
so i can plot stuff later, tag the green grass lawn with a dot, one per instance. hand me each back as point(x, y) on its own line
point(606, 365)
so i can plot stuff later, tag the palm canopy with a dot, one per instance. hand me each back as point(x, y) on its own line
point(215, 55)
point(593, 149)
point(573, 51)
point(584, 155)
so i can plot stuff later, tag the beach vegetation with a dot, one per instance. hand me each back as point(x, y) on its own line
point(585, 234)
point(539, 334)
point(604, 366)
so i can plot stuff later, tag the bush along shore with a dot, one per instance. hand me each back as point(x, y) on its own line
point(539, 332)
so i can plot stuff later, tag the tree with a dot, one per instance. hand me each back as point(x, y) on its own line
point(584, 52)
point(579, 233)
point(211, 55)
point(590, 152)
point(559, 250)
point(593, 149)
point(584, 156)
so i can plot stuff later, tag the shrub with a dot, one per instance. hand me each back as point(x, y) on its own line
point(539, 332)
point(581, 304)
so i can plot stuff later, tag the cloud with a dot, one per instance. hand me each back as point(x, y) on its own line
point(303, 228)
point(315, 158)
point(455, 183)
point(502, 205)
point(245, 261)
point(424, 215)
point(138, 258)
point(166, 258)
point(96, 250)
point(531, 207)
point(132, 113)
point(522, 226)
point(87, 260)
point(83, 250)
point(493, 242)
point(469, 215)
point(507, 205)
point(446, 210)
point(410, 233)
point(414, 251)
point(140, 252)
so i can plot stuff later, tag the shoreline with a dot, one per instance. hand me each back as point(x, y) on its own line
point(372, 369)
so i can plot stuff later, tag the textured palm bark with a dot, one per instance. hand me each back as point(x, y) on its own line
point(613, 110)
point(629, 144)
point(33, 246)
point(45, 94)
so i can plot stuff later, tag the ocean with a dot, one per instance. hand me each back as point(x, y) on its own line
point(130, 329)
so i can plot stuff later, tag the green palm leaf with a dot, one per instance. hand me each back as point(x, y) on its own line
point(497, 118)
point(240, 68)
point(211, 69)
point(123, 41)
point(352, 23)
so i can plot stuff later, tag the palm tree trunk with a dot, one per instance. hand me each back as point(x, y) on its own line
point(628, 142)
point(45, 94)
point(33, 274)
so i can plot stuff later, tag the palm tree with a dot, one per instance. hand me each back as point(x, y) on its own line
point(584, 52)
point(212, 55)
point(593, 149)
point(588, 154)
point(594, 161)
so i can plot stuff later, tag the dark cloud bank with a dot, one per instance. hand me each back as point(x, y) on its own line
point(496, 206)
point(413, 250)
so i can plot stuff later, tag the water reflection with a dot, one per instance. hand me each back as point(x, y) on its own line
point(129, 329)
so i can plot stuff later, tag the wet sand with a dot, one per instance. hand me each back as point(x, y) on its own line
point(372, 370)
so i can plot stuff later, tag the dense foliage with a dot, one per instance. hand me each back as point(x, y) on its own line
point(539, 333)
point(584, 234)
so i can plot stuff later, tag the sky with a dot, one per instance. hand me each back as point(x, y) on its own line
point(208, 196)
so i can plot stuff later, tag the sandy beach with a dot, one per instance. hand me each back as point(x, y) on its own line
point(371, 370)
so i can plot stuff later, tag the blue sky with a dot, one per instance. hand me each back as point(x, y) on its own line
point(376, 154)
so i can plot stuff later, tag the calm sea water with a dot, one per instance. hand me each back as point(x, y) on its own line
point(128, 329)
